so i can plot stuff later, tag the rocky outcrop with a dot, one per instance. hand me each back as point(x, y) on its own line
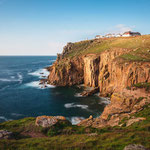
point(90, 92)
point(49, 121)
point(135, 147)
point(66, 73)
point(121, 106)
point(4, 134)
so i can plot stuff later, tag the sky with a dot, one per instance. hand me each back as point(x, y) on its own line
point(43, 27)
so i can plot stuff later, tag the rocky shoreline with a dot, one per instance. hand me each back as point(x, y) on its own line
point(108, 74)
point(126, 83)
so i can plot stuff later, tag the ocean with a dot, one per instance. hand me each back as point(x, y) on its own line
point(22, 96)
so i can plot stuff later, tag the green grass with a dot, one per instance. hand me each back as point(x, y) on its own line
point(132, 57)
point(145, 85)
point(139, 47)
point(78, 138)
point(142, 85)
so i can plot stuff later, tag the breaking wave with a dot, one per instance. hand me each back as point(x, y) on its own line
point(17, 115)
point(19, 78)
point(36, 84)
point(72, 105)
point(3, 118)
point(41, 73)
point(104, 100)
point(76, 120)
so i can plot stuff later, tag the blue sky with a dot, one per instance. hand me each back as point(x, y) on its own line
point(43, 27)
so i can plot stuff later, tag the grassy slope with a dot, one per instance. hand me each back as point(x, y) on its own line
point(139, 47)
point(115, 138)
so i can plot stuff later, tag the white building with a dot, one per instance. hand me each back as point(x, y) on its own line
point(109, 35)
point(129, 33)
point(98, 36)
point(118, 35)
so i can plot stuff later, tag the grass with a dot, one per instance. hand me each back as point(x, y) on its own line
point(139, 47)
point(142, 85)
point(78, 138)
point(145, 85)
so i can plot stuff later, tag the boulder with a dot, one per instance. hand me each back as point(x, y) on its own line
point(135, 147)
point(86, 122)
point(49, 121)
point(91, 92)
point(4, 134)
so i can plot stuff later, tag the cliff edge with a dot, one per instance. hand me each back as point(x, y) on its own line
point(118, 67)
point(111, 64)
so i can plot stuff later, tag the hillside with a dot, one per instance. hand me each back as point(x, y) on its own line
point(28, 136)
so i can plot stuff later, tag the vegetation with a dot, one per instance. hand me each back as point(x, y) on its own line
point(74, 137)
point(138, 47)
point(145, 85)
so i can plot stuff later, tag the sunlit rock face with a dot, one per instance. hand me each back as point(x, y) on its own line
point(49, 121)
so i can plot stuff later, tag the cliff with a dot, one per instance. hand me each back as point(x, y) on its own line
point(118, 67)
point(110, 64)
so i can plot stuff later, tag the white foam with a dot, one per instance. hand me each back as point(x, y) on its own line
point(19, 77)
point(3, 118)
point(52, 60)
point(104, 100)
point(36, 84)
point(72, 105)
point(12, 78)
point(40, 73)
point(69, 105)
point(5, 80)
point(17, 115)
point(78, 95)
point(76, 120)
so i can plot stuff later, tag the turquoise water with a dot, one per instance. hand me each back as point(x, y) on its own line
point(21, 96)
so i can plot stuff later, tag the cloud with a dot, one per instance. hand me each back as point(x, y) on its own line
point(121, 28)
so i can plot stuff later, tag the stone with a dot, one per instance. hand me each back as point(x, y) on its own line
point(91, 92)
point(135, 147)
point(49, 121)
point(4, 134)
point(133, 120)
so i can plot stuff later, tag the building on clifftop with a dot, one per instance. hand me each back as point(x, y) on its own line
point(129, 33)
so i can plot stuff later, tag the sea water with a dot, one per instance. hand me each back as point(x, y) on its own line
point(22, 96)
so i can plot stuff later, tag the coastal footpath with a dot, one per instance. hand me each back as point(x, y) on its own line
point(118, 68)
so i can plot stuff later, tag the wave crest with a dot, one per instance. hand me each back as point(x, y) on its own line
point(72, 105)
point(41, 73)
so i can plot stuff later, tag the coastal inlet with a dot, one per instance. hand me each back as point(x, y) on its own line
point(21, 95)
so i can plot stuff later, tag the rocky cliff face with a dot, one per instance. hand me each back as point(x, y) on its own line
point(91, 70)
point(66, 72)
point(122, 105)
point(106, 71)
